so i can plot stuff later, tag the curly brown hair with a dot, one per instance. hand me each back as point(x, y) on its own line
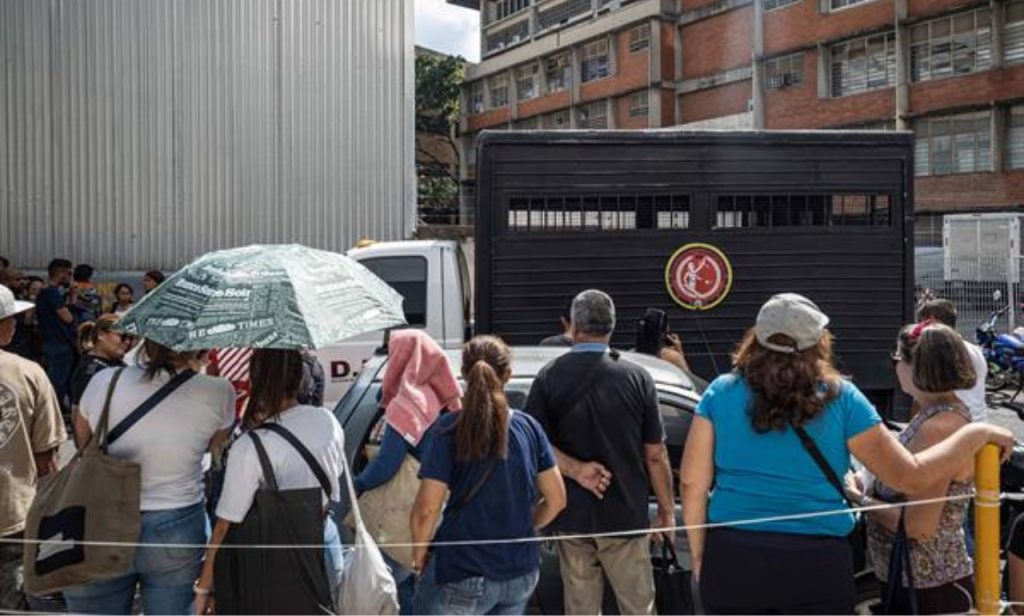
point(790, 389)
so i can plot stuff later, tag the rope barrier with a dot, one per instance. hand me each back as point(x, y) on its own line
point(520, 540)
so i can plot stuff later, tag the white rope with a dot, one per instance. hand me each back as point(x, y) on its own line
point(521, 540)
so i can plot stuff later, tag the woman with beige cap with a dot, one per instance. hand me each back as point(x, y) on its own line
point(774, 438)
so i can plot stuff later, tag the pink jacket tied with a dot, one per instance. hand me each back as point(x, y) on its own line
point(419, 382)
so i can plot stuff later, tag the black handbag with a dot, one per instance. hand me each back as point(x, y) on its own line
point(673, 588)
point(900, 598)
point(274, 580)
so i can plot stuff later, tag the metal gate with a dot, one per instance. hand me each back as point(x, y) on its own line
point(980, 254)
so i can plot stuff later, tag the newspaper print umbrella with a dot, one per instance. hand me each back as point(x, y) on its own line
point(273, 296)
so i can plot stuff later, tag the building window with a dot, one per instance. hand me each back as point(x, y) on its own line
point(1015, 138)
point(558, 70)
point(562, 13)
point(596, 62)
point(863, 64)
point(784, 71)
point(638, 104)
point(953, 144)
point(526, 82)
point(548, 213)
point(531, 123)
point(952, 45)
point(842, 4)
point(640, 38)
point(508, 8)
point(476, 97)
point(810, 210)
point(594, 115)
point(771, 5)
point(558, 120)
point(1013, 33)
point(506, 37)
point(499, 90)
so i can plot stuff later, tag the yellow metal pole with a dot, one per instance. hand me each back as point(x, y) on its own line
point(986, 530)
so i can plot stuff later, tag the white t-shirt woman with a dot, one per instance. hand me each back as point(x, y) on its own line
point(169, 444)
point(315, 427)
point(170, 441)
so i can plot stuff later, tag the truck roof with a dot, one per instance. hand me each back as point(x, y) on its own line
point(404, 248)
point(527, 362)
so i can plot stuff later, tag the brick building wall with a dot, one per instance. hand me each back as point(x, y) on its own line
point(699, 66)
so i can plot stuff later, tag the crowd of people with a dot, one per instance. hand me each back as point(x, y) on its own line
point(772, 439)
point(65, 302)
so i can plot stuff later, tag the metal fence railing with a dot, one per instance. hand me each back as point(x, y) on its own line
point(971, 288)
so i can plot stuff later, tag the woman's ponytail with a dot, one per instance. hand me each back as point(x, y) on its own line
point(482, 428)
point(88, 332)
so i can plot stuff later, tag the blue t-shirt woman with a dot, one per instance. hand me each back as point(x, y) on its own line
point(777, 541)
point(495, 463)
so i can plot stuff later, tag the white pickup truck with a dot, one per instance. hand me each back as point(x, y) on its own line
point(433, 277)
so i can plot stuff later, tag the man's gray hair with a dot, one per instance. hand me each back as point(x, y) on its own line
point(593, 313)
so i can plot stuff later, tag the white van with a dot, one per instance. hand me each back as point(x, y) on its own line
point(433, 278)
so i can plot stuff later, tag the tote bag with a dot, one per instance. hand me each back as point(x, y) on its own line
point(386, 510)
point(366, 586)
point(252, 580)
point(95, 498)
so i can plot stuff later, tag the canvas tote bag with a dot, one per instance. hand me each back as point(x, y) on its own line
point(386, 511)
point(366, 585)
point(94, 498)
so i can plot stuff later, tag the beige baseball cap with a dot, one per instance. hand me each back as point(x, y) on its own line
point(10, 306)
point(792, 315)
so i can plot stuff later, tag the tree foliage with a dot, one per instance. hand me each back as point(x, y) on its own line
point(438, 80)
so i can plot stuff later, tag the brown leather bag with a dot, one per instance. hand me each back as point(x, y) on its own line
point(95, 498)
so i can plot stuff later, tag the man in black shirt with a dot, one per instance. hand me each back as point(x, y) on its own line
point(563, 339)
point(601, 415)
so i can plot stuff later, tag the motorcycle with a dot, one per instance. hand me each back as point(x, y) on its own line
point(1004, 354)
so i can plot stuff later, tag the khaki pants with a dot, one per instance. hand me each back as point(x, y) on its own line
point(626, 563)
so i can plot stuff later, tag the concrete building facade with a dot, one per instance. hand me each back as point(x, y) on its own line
point(952, 71)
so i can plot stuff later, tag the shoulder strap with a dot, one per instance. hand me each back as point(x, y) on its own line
point(161, 394)
point(99, 437)
point(819, 459)
point(586, 382)
point(261, 453)
point(314, 466)
point(468, 496)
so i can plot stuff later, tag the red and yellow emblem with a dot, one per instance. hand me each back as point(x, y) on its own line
point(698, 276)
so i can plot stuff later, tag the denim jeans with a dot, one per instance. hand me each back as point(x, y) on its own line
point(60, 363)
point(406, 583)
point(475, 595)
point(334, 555)
point(165, 575)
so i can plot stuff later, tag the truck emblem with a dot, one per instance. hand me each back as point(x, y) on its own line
point(698, 276)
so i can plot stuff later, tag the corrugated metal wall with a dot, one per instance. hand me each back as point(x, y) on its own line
point(140, 133)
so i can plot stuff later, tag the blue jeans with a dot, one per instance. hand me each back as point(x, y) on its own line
point(165, 575)
point(60, 362)
point(475, 595)
point(334, 554)
point(406, 583)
